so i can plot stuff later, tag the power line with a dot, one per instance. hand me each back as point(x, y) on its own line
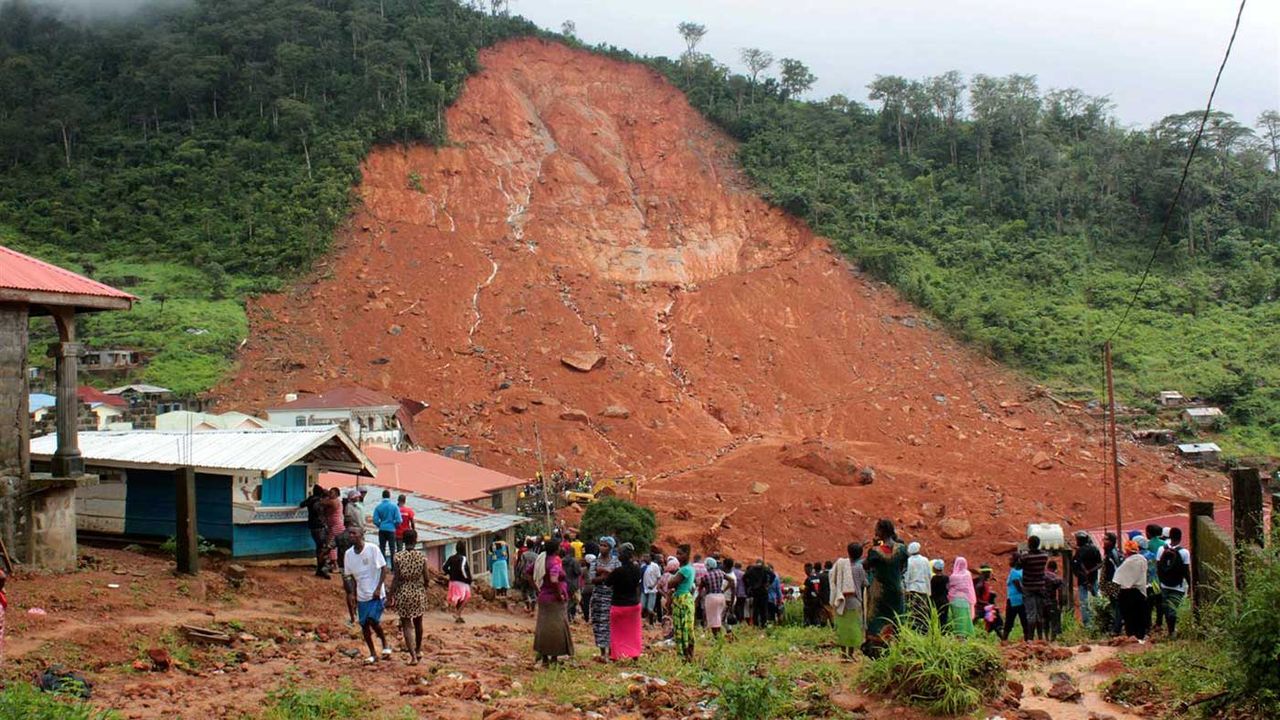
point(1186, 167)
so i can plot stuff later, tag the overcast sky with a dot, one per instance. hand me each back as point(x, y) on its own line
point(1152, 57)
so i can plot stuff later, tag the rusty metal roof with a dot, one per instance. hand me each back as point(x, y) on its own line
point(23, 277)
point(441, 522)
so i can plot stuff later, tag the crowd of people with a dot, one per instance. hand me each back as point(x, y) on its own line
point(543, 495)
point(863, 596)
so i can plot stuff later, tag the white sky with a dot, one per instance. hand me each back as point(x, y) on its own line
point(1152, 57)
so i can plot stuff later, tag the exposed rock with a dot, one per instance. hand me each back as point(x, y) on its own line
point(848, 702)
point(616, 411)
point(1063, 689)
point(583, 360)
point(1015, 423)
point(161, 661)
point(574, 415)
point(815, 456)
point(758, 488)
point(518, 407)
point(395, 330)
point(955, 528)
point(1175, 492)
point(1032, 715)
point(867, 476)
point(932, 509)
point(1042, 461)
point(796, 550)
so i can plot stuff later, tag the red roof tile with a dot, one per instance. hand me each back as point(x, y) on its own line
point(94, 395)
point(429, 475)
point(25, 273)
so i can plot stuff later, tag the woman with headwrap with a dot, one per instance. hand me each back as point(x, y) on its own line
point(712, 587)
point(1131, 602)
point(885, 564)
point(682, 609)
point(961, 597)
point(625, 627)
point(938, 584)
point(847, 582)
point(602, 597)
point(551, 636)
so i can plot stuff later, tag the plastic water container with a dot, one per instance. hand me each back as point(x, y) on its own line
point(1050, 534)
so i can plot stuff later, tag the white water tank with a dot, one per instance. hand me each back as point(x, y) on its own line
point(1050, 534)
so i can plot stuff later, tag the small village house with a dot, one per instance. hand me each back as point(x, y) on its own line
point(368, 416)
point(248, 483)
point(1202, 416)
point(1170, 398)
point(147, 401)
point(109, 360)
point(1200, 454)
point(197, 421)
point(433, 475)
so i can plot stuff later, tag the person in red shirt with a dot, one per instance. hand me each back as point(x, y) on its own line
point(406, 521)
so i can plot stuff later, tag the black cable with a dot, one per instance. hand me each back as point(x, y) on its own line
point(1186, 167)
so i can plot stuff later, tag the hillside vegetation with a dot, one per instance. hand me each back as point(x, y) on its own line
point(215, 145)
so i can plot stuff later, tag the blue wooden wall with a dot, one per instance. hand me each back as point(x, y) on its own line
point(151, 498)
point(272, 539)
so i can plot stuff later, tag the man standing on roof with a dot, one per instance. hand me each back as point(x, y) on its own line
point(386, 517)
point(406, 521)
point(366, 576)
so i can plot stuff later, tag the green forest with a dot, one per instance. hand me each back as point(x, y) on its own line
point(201, 153)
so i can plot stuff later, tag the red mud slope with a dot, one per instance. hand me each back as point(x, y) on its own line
point(584, 207)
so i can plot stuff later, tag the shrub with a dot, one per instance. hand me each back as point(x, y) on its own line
point(293, 703)
point(624, 520)
point(941, 673)
point(1253, 629)
point(750, 695)
point(21, 700)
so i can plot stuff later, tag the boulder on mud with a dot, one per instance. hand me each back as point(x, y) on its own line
point(583, 360)
point(955, 528)
point(618, 412)
point(1042, 461)
point(817, 457)
point(758, 488)
point(574, 415)
point(1175, 493)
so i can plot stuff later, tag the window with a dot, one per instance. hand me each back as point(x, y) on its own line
point(300, 421)
point(287, 487)
point(477, 554)
point(497, 500)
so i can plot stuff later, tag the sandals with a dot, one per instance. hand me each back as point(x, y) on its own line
point(371, 660)
point(386, 653)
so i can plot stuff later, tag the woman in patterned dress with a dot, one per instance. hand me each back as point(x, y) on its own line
point(602, 598)
point(409, 593)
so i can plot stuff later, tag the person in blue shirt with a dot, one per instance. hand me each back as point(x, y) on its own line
point(386, 517)
point(1013, 605)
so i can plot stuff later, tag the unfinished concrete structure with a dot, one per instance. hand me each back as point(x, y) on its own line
point(37, 511)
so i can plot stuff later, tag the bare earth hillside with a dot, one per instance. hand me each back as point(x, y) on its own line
point(584, 207)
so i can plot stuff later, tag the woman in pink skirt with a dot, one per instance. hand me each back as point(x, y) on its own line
point(712, 587)
point(625, 638)
point(459, 572)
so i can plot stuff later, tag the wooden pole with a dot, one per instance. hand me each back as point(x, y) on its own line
point(1246, 515)
point(1115, 439)
point(188, 543)
point(1197, 510)
point(542, 471)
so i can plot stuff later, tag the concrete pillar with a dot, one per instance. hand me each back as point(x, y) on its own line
point(53, 529)
point(1197, 509)
point(1246, 515)
point(67, 461)
point(14, 426)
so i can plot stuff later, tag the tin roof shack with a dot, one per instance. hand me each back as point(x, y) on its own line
point(145, 402)
point(371, 417)
point(1170, 398)
point(1200, 454)
point(443, 525)
point(1202, 416)
point(37, 511)
point(247, 487)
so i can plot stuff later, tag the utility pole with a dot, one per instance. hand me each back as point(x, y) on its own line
point(542, 472)
point(1115, 439)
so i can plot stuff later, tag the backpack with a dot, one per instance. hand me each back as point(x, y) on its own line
point(1170, 568)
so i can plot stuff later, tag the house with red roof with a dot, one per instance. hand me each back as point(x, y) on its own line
point(436, 476)
point(371, 417)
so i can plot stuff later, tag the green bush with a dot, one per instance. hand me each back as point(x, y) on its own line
point(1253, 630)
point(941, 673)
point(622, 519)
point(21, 700)
point(750, 694)
point(293, 703)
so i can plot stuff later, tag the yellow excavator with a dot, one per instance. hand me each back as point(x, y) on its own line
point(605, 487)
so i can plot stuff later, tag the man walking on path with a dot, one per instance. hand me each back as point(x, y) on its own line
point(1173, 568)
point(1034, 602)
point(386, 517)
point(366, 579)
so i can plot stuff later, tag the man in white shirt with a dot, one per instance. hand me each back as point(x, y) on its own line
point(365, 574)
point(652, 573)
point(1174, 574)
point(916, 584)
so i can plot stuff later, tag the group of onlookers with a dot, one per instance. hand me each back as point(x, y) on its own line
point(1145, 577)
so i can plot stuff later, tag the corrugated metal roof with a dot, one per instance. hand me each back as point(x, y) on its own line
point(1203, 411)
point(23, 272)
point(266, 451)
point(1192, 448)
point(437, 476)
point(139, 388)
point(438, 521)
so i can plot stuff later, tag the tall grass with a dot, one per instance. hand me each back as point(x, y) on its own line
point(25, 701)
point(941, 673)
point(291, 702)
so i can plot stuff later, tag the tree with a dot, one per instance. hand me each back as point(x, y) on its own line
point(692, 34)
point(625, 521)
point(796, 78)
point(569, 28)
point(757, 61)
point(1269, 123)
